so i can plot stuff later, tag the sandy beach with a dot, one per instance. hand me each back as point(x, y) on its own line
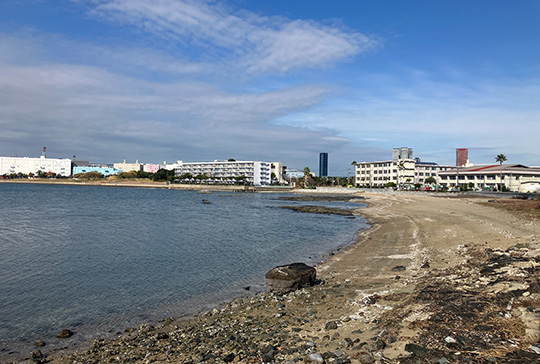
point(413, 289)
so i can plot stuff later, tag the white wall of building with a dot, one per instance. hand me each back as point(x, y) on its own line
point(128, 167)
point(516, 178)
point(9, 165)
point(256, 173)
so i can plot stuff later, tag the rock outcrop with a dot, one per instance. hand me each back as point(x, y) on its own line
point(288, 278)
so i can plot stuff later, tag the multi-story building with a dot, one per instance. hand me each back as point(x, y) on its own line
point(323, 164)
point(25, 165)
point(514, 177)
point(401, 172)
point(127, 167)
point(278, 170)
point(255, 173)
point(379, 174)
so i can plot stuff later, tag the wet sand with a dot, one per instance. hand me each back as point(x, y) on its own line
point(344, 319)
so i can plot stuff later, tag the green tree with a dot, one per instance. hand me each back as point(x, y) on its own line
point(186, 177)
point(93, 175)
point(231, 160)
point(127, 175)
point(431, 180)
point(501, 158)
point(307, 176)
point(142, 174)
point(240, 179)
point(163, 175)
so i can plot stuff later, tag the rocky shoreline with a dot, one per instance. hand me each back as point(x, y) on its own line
point(434, 280)
point(485, 310)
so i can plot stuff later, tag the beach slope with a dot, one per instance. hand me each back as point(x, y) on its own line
point(434, 279)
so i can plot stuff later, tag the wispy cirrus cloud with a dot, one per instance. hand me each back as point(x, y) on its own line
point(87, 110)
point(245, 40)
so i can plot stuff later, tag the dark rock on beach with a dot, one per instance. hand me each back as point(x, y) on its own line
point(320, 210)
point(64, 334)
point(330, 198)
point(287, 278)
point(331, 325)
point(399, 268)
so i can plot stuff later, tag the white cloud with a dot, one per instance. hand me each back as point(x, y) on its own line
point(256, 44)
point(105, 116)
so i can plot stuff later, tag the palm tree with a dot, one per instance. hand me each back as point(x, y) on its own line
point(354, 173)
point(501, 158)
point(307, 175)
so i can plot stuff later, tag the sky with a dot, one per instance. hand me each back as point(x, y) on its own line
point(270, 80)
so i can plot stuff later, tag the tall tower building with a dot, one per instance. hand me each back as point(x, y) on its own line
point(402, 153)
point(462, 155)
point(323, 164)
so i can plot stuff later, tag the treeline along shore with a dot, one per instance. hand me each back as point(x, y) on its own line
point(146, 183)
point(434, 280)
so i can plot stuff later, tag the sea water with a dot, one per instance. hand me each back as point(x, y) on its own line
point(99, 259)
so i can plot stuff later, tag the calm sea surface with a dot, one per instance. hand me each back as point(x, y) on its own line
point(99, 259)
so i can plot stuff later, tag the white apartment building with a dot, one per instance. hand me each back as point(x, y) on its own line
point(378, 174)
point(256, 173)
point(25, 165)
point(400, 171)
point(515, 177)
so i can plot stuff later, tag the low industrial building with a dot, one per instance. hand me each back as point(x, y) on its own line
point(104, 170)
point(514, 177)
point(255, 173)
point(26, 165)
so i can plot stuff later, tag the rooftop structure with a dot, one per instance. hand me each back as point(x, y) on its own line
point(462, 157)
point(402, 153)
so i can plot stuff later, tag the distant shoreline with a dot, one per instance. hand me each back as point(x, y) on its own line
point(189, 187)
point(149, 184)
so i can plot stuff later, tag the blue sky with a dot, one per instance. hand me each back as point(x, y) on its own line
point(270, 80)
